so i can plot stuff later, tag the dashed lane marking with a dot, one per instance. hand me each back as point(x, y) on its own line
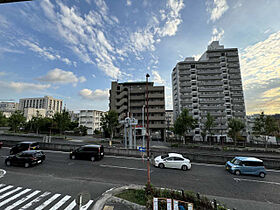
point(123, 167)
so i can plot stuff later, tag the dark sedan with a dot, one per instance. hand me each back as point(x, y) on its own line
point(26, 158)
point(25, 145)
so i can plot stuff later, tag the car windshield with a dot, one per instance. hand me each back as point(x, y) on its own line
point(164, 156)
point(235, 161)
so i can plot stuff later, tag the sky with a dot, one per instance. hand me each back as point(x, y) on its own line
point(73, 50)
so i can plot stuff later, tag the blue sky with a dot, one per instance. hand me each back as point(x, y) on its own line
point(72, 50)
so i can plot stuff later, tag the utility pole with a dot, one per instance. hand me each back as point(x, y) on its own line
point(147, 131)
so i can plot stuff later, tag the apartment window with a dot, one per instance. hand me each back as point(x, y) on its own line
point(227, 100)
point(222, 54)
point(228, 113)
point(196, 132)
point(192, 66)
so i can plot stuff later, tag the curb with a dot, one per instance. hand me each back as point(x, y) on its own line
point(109, 196)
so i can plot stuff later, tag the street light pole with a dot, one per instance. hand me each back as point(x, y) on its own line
point(147, 131)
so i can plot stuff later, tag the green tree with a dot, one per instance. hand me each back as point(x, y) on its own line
point(16, 120)
point(264, 127)
point(208, 125)
point(235, 127)
point(109, 122)
point(184, 124)
point(62, 121)
point(3, 120)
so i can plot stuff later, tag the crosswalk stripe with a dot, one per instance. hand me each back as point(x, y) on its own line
point(47, 202)
point(36, 200)
point(71, 205)
point(61, 202)
point(14, 197)
point(9, 193)
point(6, 188)
point(22, 200)
point(2, 185)
point(87, 205)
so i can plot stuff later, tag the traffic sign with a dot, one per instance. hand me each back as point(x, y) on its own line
point(142, 149)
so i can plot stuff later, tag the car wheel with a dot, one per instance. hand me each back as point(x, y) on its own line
point(262, 174)
point(184, 168)
point(8, 163)
point(73, 157)
point(161, 165)
point(26, 165)
point(237, 172)
point(92, 159)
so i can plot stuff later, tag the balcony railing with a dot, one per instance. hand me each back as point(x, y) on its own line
point(212, 95)
point(209, 77)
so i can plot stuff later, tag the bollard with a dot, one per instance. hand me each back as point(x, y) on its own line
point(198, 196)
point(215, 204)
point(183, 194)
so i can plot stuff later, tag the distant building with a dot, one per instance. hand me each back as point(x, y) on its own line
point(130, 97)
point(91, 119)
point(8, 108)
point(47, 106)
point(74, 116)
point(210, 85)
point(169, 119)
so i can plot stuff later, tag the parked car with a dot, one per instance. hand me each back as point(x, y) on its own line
point(172, 160)
point(26, 158)
point(25, 145)
point(90, 152)
point(246, 165)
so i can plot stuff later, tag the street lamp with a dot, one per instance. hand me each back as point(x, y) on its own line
point(147, 132)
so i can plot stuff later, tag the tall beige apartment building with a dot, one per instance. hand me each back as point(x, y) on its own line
point(130, 97)
point(210, 85)
point(46, 106)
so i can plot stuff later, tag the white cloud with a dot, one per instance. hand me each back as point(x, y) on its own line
point(97, 94)
point(260, 67)
point(62, 77)
point(2, 73)
point(44, 52)
point(128, 2)
point(217, 9)
point(157, 78)
point(23, 86)
point(93, 75)
point(217, 34)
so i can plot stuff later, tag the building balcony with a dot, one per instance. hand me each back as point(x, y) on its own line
point(212, 108)
point(234, 71)
point(134, 97)
point(235, 76)
point(233, 65)
point(122, 95)
point(209, 77)
point(183, 79)
point(211, 95)
point(155, 103)
point(232, 54)
point(214, 114)
point(237, 82)
point(185, 90)
point(233, 59)
point(122, 101)
point(216, 83)
point(186, 96)
point(236, 88)
point(239, 114)
point(212, 102)
point(185, 84)
point(209, 72)
point(236, 95)
point(208, 89)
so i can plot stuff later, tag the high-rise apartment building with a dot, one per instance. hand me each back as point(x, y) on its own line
point(130, 97)
point(91, 119)
point(47, 106)
point(210, 85)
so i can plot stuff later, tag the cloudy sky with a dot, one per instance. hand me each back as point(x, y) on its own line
point(72, 50)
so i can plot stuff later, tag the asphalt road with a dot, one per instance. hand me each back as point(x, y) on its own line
point(60, 175)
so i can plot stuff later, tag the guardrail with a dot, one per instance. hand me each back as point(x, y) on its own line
point(270, 163)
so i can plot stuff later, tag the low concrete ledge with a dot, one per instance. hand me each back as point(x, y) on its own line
point(108, 196)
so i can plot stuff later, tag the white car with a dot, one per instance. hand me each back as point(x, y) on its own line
point(172, 160)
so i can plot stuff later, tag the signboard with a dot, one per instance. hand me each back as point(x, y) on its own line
point(190, 206)
point(155, 204)
point(175, 205)
point(169, 204)
point(142, 149)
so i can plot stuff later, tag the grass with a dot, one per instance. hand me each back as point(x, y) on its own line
point(135, 196)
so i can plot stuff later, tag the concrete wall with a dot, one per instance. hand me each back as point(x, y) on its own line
point(203, 158)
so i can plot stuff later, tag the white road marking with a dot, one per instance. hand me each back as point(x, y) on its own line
point(123, 167)
point(11, 192)
point(22, 200)
point(2, 185)
point(61, 202)
point(71, 205)
point(2, 173)
point(253, 180)
point(6, 188)
point(36, 200)
point(123, 157)
point(47, 202)
point(14, 197)
point(87, 205)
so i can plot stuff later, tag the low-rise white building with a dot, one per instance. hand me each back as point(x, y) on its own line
point(8, 108)
point(91, 119)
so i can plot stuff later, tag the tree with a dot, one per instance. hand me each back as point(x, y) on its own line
point(208, 125)
point(16, 120)
point(3, 120)
point(109, 122)
point(62, 121)
point(184, 124)
point(264, 127)
point(235, 126)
